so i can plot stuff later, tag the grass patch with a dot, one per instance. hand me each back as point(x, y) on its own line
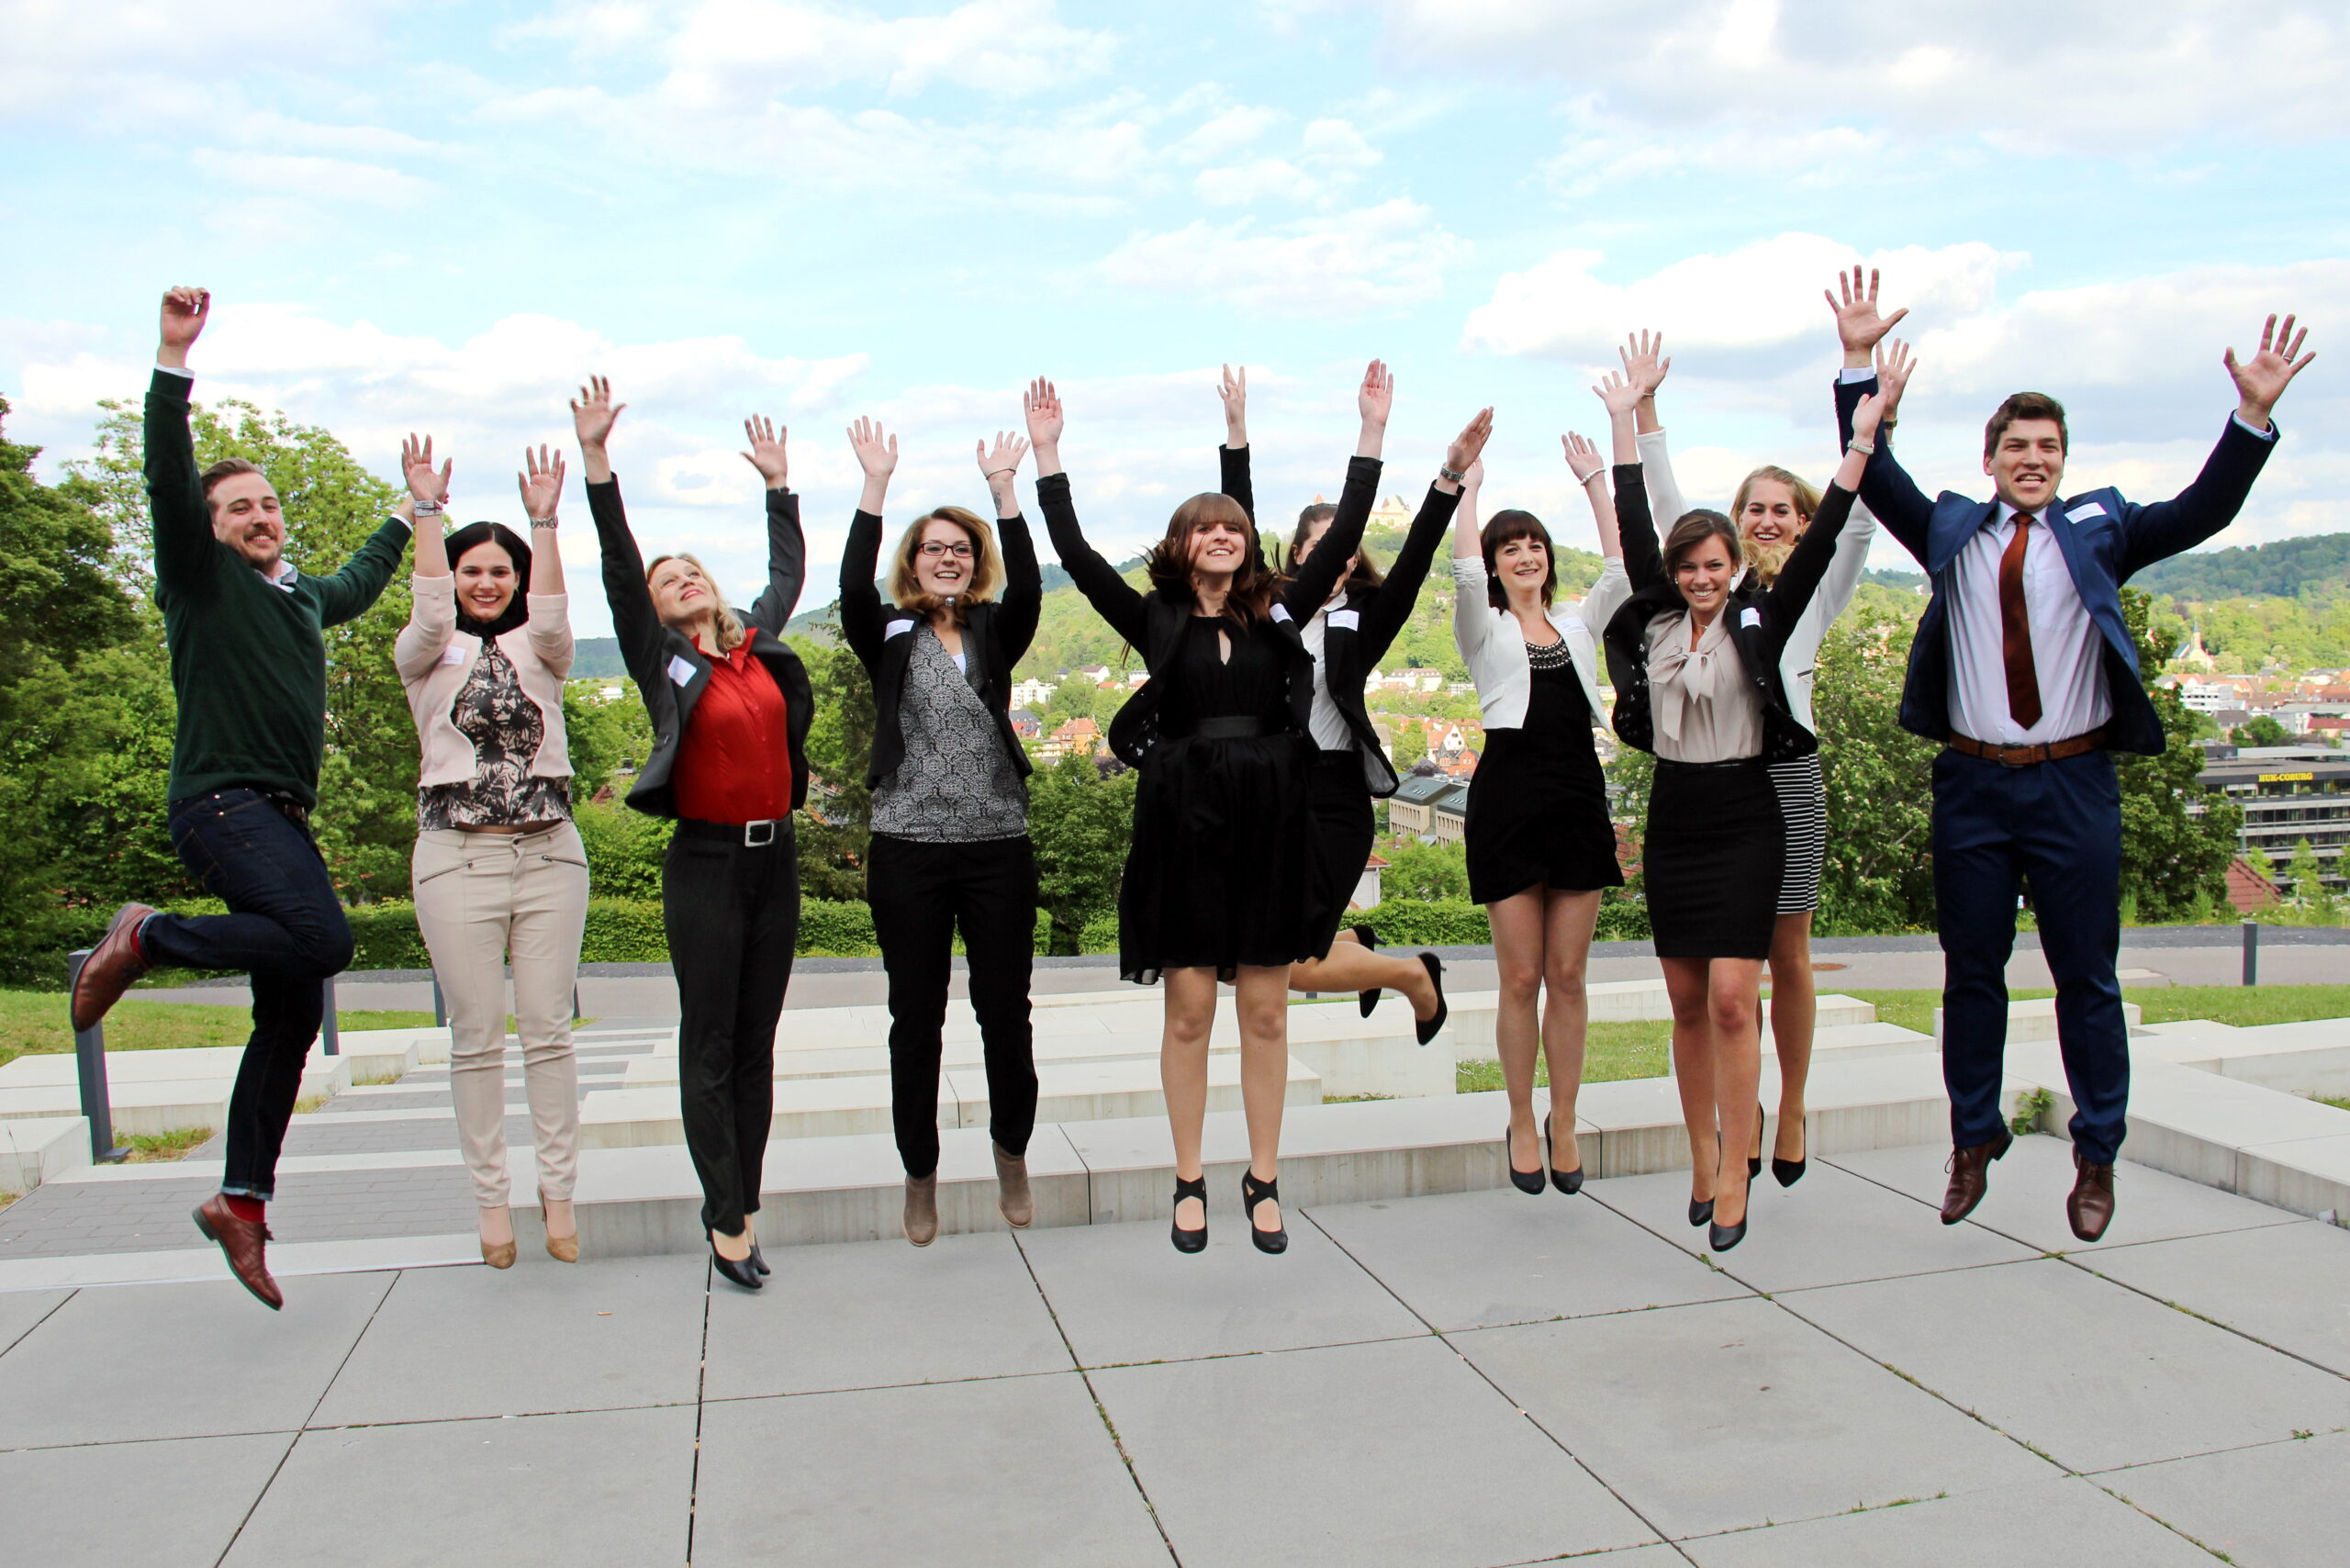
point(2337, 1104)
point(8, 1197)
point(34, 1022)
point(1611, 1052)
point(154, 1149)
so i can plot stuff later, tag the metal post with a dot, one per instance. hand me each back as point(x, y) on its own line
point(90, 1066)
point(333, 1026)
point(439, 1004)
point(2251, 951)
point(576, 1014)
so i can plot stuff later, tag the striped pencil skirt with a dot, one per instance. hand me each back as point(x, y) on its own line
point(1803, 804)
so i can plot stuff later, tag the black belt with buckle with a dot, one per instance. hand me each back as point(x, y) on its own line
point(289, 808)
point(750, 835)
point(2025, 755)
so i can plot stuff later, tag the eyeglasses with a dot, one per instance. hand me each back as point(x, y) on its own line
point(934, 549)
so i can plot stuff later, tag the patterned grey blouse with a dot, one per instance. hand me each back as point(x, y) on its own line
point(956, 785)
point(494, 712)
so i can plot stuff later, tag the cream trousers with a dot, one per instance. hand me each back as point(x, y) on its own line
point(480, 896)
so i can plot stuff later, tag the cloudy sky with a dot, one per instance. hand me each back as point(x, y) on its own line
point(441, 215)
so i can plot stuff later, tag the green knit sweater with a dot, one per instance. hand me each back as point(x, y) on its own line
point(247, 662)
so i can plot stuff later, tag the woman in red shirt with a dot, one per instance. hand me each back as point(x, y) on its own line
point(730, 706)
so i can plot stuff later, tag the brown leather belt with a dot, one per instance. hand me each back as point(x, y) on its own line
point(2025, 755)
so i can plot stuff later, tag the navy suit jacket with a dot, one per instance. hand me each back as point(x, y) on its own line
point(2106, 541)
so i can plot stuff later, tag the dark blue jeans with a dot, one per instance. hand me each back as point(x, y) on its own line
point(2057, 827)
point(285, 925)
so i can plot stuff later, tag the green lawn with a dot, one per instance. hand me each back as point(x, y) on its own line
point(34, 1021)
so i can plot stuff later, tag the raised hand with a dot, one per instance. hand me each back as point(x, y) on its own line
point(1466, 454)
point(1583, 458)
point(2262, 379)
point(1376, 397)
point(1644, 361)
point(876, 453)
point(1473, 478)
point(1868, 416)
point(185, 311)
point(1894, 366)
point(541, 483)
point(1042, 406)
point(1234, 390)
point(1001, 461)
point(593, 411)
point(767, 454)
point(1858, 325)
point(431, 489)
point(1621, 395)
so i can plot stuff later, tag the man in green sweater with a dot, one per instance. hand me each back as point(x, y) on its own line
point(249, 666)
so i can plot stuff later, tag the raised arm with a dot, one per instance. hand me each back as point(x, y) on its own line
point(1317, 579)
point(1232, 458)
point(1584, 462)
point(432, 607)
point(1023, 584)
point(1470, 624)
point(635, 624)
point(1851, 562)
point(1390, 606)
point(351, 592)
point(541, 483)
point(1799, 579)
point(1645, 368)
point(1887, 488)
point(186, 550)
point(786, 545)
point(1113, 599)
point(863, 618)
point(1635, 523)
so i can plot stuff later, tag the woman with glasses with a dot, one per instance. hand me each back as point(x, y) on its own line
point(950, 803)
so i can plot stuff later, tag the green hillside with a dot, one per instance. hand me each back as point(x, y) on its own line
point(2314, 567)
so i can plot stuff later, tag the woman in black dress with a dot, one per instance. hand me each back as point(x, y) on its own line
point(1215, 881)
point(1695, 656)
point(1541, 845)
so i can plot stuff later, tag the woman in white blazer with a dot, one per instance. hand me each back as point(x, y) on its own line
point(1540, 844)
point(1773, 509)
point(500, 868)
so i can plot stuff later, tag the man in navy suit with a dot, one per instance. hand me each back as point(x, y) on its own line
point(2025, 671)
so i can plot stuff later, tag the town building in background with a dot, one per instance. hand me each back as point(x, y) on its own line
point(2288, 793)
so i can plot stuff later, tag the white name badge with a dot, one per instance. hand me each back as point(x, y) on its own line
point(1749, 616)
point(2086, 510)
point(896, 628)
point(1281, 611)
point(453, 654)
point(681, 669)
point(1349, 619)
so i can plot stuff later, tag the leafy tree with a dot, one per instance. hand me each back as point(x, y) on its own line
point(1080, 818)
point(2306, 877)
point(1411, 743)
point(605, 737)
point(1423, 872)
point(2264, 730)
point(1878, 874)
point(2177, 836)
point(1076, 698)
point(625, 849)
point(835, 829)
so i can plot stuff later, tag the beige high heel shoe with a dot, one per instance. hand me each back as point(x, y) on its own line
point(562, 1249)
point(498, 1254)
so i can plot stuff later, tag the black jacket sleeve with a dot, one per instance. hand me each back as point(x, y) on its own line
point(186, 550)
point(1233, 462)
point(862, 617)
point(786, 565)
point(1791, 591)
point(1318, 578)
point(1113, 599)
point(1024, 591)
point(2157, 531)
point(1643, 555)
point(1384, 616)
point(636, 625)
point(1904, 509)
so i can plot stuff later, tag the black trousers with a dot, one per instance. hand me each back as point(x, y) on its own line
point(286, 925)
point(920, 894)
point(732, 916)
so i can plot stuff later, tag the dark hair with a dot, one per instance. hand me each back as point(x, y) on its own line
point(473, 536)
point(2026, 405)
point(1168, 564)
point(226, 468)
point(1693, 529)
point(1365, 572)
point(1500, 529)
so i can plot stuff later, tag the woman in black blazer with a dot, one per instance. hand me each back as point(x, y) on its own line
point(950, 803)
point(730, 705)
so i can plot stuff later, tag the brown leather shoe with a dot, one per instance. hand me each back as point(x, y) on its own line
point(922, 1209)
point(1011, 1195)
point(241, 1242)
point(1970, 1176)
point(2090, 1206)
point(114, 963)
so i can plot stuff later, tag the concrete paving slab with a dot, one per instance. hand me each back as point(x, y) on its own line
point(874, 1314)
point(1480, 1260)
point(2284, 1286)
point(1121, 1294)
point(2089, 1373)
point(1300, 1459)
point(2068, 1521)
point(21, 1310)
point(2278, 1505)
point(189, 1360)
point(536, 1339)
point(599, 1487)
point(2308, 1176)
point(1007, 1472)
point(1736, 1414)
point(2026, 1198)
point(1829, 1229)
point(167, 1505)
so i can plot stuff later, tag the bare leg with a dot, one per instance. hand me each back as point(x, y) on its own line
point(1693, 1068)
point(1795, 1010)
point(1568, 919)
point(1349, 966)
point(1518, 939)
point(1263, 996)
point(1183, 1075)
point(1734, 990)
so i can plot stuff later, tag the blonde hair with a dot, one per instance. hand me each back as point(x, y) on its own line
point(1768, 562)
point(905, 583)
point(731, 634)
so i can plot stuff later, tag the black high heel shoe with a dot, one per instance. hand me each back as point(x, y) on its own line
point(1701, 1211)
point(758, 1261)
point(1427, 1029)
point(1722, 1237)
point(741, 1270)
point(1754, 1161)
point(1787, 1173)
point(1367, 1000)
point(1524, 1181)
point(1252, 1192)
point(1567, 1182)
point(1191, 1240)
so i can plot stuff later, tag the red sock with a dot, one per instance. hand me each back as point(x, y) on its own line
point(244, 1208)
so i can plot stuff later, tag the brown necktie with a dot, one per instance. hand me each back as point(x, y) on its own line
point(2015, 629)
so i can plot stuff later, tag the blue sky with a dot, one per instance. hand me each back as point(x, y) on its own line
point(441, 215)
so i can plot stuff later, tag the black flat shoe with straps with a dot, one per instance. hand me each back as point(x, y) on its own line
point(1252, 1192)
point(1191, 1240)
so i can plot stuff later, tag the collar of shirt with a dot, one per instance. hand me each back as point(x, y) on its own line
point(281, 579)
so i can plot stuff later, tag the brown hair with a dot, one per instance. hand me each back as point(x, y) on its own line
point(1504, 526)
point(1363, 574)
point(1168, 564)
point(1806, 501)
point(905, 585)
point(2026, 405)
point(1693, 529)
point(731, 634)
point(226, 468)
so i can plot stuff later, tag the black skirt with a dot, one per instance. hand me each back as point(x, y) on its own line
point(1337, 803)
point(1538, 802)
point(1715, 850)
point(1222, 855)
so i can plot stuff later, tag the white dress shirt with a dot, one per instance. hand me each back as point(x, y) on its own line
point(2067, 648)
point(1325, 723)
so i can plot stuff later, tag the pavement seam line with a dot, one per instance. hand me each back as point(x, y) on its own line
point(71, 1292)
point(702, 1403)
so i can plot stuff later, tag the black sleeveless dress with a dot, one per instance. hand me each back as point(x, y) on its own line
point(1537, 803)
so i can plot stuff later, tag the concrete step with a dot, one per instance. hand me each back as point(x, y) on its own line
point(2311, 1059)
point(2035, 1019)
point(1857, 1042)
point(41, 1148)
point(1470, 1027)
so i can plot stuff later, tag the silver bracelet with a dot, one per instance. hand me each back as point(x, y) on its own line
point(422, 510)
point(993, 471)
point(1867, 451)
point(1444, 473)
point(546, 522)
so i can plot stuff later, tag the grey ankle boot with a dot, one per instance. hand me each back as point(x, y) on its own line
point(1011, 1189)
point(922, 1209)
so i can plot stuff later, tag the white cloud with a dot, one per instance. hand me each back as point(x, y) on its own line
point(135, 62)
point(313, 179)
point(1344, 264)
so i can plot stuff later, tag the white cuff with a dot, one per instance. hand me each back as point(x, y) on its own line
point(179, 370)
point(2268, 434)
point(1852, 374)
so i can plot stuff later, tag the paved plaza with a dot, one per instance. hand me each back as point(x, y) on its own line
point(1474, 1379)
